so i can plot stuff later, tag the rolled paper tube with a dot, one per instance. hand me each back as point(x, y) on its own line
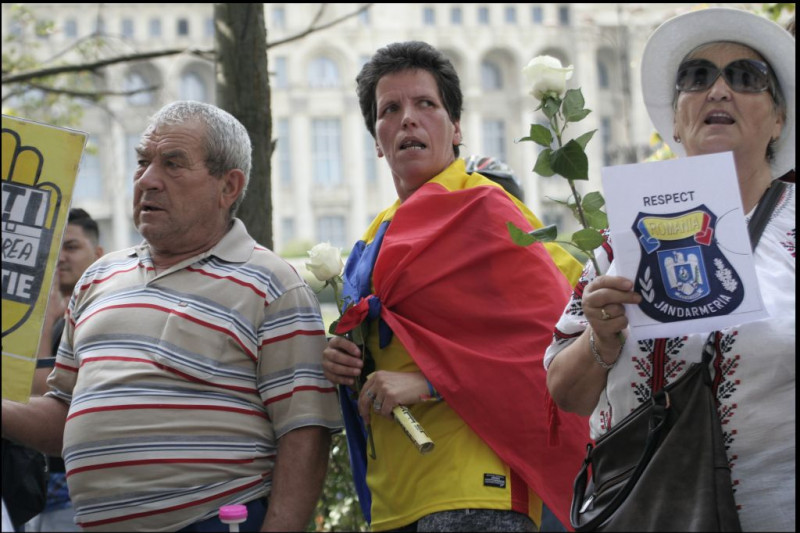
point(412, 428)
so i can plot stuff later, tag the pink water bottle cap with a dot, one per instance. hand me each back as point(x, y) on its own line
point(233, 513)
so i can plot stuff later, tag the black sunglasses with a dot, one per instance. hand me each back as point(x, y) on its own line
point(742, 75)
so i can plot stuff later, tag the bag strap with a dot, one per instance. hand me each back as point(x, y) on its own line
point(763, 211)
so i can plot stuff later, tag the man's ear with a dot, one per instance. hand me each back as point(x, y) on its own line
point(232, 186)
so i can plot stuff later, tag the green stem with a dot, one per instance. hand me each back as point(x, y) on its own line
point(575, 194)
point(361, 343)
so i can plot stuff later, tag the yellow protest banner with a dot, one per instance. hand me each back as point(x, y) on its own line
point(39, 167)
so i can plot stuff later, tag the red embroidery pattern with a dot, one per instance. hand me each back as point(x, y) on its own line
point(790, 245)
point(726, 362)
point(659, 365)
point(605, 419)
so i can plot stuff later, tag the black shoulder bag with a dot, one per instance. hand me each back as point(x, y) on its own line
point(664, 467)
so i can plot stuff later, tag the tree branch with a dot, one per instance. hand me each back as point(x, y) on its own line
point(312, 27)
point(91, 94)
point(95, 65)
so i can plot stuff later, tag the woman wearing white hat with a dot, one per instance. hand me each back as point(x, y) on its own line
point(714, 80)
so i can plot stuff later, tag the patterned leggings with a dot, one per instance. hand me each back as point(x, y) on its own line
point(472, 520)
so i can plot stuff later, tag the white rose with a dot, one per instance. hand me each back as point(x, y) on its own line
point(325, 261)
point(544, 74)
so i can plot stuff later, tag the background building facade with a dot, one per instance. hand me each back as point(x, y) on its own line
point(327, 182)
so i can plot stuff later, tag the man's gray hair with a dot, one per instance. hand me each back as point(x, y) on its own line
point(227, 141)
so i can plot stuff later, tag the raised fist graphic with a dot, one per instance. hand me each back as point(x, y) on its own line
point(30, 211)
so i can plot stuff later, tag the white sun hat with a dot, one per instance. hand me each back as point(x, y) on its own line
point(674, 39)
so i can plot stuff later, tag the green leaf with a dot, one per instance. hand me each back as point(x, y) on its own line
point(332, 328)
point(577, 116)
point(542, 166)
point(584, 139)
point(518, 236)
point(596, 219)
point(550, 107)
point(593, 201)
point(565, 203)
point(570, 161)
point(545, 234)
point(573, 106)
point(523, 238)
point(541, 135)
point(587, 239)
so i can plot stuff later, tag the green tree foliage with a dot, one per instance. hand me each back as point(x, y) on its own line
point(338, 508)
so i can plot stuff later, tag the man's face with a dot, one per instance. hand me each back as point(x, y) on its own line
point(77, 253)
point(178, 206)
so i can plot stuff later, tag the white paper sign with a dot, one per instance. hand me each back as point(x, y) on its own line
point(678, 231)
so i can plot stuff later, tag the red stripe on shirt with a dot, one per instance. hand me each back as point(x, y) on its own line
point(292, 334)
point(167, 310)
point(162, 366)
point(230, 278)
point(103, 280)
point(123, 464)
point(280, 397)
point(165, 406)
point(168, 509)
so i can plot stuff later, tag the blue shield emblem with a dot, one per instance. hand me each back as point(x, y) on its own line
point(682, 273)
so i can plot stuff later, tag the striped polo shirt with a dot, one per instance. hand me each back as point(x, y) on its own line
point(180, 384)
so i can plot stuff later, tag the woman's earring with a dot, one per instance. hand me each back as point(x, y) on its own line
point(676, 139)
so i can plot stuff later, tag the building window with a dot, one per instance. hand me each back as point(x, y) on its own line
point(456, 16)
point(563, 15)
point(491, 76)
point(332, 229)
point(605, 136)
point(126, 28)
point(511, 15)
point(100, 26)
point(209, 27)
point(537, 14)
point(370, 158)
point(602, 74)
point(71, 28)
point(135, 81)
point(287, 230)
point(326, 152)
point(281, 73)
point(278, 18)
point(428, 16)
point(193, 87)
point(154, 28)
point(183, 27)
point(494, 139)
point(483, 16)
point(89, 184)
point(363, 18)
point(323, 73)
point(284, 152)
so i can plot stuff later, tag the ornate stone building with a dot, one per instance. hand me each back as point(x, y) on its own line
point(327, 182)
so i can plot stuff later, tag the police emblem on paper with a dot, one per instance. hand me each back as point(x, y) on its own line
point(682, 273)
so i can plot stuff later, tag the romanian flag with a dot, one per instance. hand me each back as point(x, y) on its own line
point(475, 312)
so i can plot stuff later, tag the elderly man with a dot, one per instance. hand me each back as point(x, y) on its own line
point(189, 376)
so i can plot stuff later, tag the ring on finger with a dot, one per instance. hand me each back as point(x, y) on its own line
point(377, 405)
point(603, 314)
point(370, 394)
